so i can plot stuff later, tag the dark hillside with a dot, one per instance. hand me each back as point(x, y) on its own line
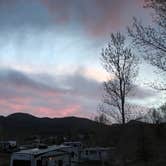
point(19, 126)
point(141, 143)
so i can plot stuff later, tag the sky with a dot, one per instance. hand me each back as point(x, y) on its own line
point(50, 55)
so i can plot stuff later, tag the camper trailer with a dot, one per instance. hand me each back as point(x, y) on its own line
point(48, 156)
point(8, 146)
point(95, 154)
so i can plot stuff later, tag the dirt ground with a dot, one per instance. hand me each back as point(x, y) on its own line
point(4, 159)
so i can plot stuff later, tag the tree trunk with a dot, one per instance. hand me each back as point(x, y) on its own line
point(123, 113)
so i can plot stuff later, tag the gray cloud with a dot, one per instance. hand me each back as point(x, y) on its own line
point(32, 93)
point(20, 13)
point(97, 17)
point(142, 93)
point(45, 95)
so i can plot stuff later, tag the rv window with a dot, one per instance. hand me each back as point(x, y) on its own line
point(21, 163)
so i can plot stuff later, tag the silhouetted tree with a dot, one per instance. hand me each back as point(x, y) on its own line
point(101, 118)
point(163, 111)
point(152, 40)
point(122, 65)
point(155, 116)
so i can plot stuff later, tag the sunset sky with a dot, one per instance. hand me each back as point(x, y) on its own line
point(49, 55)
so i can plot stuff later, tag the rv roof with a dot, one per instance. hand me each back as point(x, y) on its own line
point(98, 148)
point(37, 151)
point(76, 142)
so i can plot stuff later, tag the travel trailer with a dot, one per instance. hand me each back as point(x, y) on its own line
point(8, 146)
point(48, 156)
point(95, 154)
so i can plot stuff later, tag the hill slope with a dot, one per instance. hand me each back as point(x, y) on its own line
point(20, 125)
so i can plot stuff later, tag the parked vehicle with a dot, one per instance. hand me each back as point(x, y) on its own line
point(95, 154)
point(8, 146)
point(45, 156)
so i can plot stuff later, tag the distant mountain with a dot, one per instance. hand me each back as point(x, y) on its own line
point(21, 125)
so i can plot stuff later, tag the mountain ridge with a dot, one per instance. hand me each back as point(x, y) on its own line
point(21, 125)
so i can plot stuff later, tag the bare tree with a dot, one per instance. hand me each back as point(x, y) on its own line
point(155, 116)
point(101, 118)
point(162, 110)
point(122, 65)
point(159, 7)
point(152, 40)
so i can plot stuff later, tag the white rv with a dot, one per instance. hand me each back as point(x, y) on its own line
point(95, 154)
point(50, 156)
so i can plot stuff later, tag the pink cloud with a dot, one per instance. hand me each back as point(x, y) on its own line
point(50, 99)
point(42, 103)
point(71, 110)
point(50, 112)
point(21, 105)
point(8, 107)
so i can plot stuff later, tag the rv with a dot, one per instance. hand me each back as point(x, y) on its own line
point(48, 156)
point(95, 154)
point(8, 146)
